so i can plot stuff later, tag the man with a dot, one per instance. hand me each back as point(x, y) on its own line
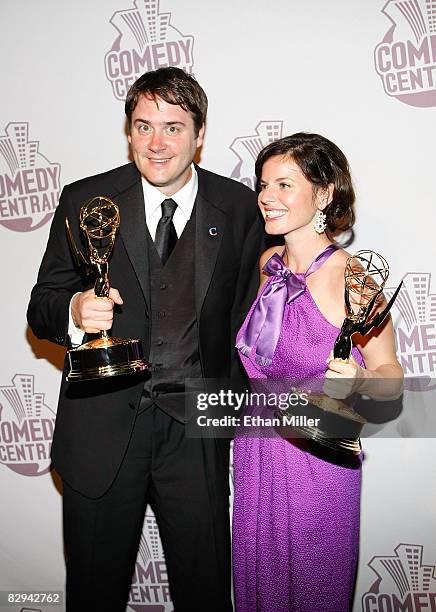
point(182, 274)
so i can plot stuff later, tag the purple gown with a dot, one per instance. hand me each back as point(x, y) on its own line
point(295, 515)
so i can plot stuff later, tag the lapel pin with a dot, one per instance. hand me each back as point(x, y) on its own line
point(213, 231)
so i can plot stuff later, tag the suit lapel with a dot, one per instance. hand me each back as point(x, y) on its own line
point(209, 229)
point(133, 229)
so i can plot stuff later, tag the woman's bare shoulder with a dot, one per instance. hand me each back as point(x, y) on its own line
point(335, 264)
point(269, 253)
point(340, 257)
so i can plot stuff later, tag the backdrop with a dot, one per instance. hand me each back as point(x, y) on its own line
point(363, 73)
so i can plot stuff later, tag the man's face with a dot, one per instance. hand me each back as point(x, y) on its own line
point(163, 141)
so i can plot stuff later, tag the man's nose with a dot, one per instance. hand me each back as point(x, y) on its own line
point(156, 142)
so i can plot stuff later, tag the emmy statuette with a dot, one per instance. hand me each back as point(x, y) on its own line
point(366, 274)
point(105, 356)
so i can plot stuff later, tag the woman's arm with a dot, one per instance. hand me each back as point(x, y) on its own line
point(382, 376)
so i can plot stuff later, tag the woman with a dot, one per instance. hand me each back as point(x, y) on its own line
point(296, 509)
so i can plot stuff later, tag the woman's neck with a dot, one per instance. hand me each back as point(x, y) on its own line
point(300, 251)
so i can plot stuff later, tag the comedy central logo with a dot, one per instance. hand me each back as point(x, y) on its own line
point(150, 591)
point(29, 183)
point(146, 41)
point(416, 329)
point(403, 584)
point(26, 427)
point(247, 148)
point(406, 58)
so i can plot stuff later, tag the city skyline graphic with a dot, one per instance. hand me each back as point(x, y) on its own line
point(22, 398)
point(404, 572)
point(413, 17)
point(150, 546)
point(150, 590)
point(247, 148)
point(144, 23)
point(250, 146)
point(415, 303)
point(17, 150)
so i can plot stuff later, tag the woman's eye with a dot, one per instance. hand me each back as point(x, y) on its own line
point(284, 185)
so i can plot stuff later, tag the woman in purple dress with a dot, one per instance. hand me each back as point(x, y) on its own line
point(296, 509)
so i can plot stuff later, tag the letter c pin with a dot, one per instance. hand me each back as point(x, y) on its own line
point(213, 231)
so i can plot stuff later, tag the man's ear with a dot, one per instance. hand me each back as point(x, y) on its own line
point(200, 137)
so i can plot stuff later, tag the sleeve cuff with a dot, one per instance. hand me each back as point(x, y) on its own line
point(75, 333)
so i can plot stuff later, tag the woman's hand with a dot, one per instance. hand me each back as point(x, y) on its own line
point(342, 379)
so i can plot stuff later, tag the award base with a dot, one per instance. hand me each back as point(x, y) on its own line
point(336, 426)
point(105, 357)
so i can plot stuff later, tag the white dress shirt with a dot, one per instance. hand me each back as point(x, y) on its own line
point(153, 198)
point(184, 198)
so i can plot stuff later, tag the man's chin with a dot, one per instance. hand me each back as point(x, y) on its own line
point(156, 179)
point(165, 181)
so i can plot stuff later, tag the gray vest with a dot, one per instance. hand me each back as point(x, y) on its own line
point(174, 350)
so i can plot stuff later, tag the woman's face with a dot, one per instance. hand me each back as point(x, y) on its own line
point(286, 198)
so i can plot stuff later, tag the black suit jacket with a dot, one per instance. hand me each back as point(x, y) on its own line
point(95, 419)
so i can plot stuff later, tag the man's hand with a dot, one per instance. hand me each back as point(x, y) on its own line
point(93, 314)
point(342, 379)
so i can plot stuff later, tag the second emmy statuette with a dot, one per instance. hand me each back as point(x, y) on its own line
point(366, 274)
point(105, 356)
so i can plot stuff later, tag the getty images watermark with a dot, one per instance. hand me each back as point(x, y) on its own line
point(223, 407)
point(227, 408)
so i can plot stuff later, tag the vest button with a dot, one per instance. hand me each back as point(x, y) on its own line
point(159, 342)
point(162, 286)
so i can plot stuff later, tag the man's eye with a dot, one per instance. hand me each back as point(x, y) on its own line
point(144, 127)
point(284, 185)
point(173, 129)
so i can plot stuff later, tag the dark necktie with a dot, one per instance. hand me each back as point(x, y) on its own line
point(166, 236)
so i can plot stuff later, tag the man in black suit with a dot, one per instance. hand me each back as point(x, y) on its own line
point(182, 271)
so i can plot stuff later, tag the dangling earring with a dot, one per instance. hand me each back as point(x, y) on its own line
point(320, 222)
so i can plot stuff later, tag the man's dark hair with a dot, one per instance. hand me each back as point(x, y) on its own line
point(322, 162)
point(174, 86)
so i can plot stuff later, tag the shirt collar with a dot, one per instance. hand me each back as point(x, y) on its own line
point(184, 198)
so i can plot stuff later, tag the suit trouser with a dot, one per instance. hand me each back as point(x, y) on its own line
point(185, 481)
